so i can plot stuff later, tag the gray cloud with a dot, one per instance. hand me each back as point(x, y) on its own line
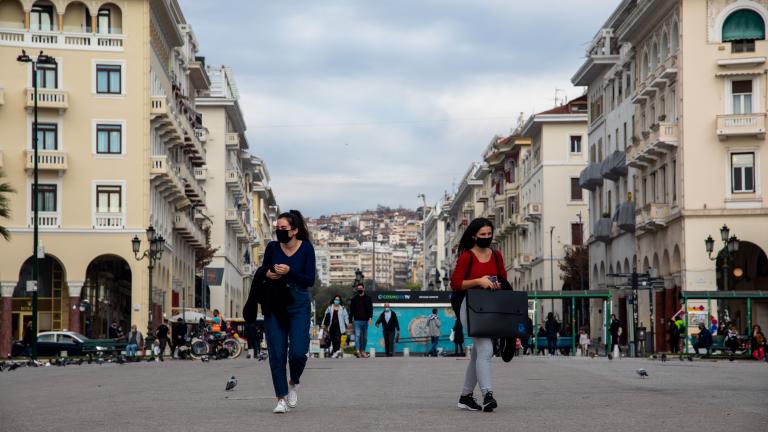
point(355, 103)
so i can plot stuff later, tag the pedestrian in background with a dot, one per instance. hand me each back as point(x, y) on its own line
point(135, 342)
point(391, 329)
point(525, 341)
point(162, 333)
point(26, 339)
point(179, 334)
point(477, 267)
point(541, 334)
point(552, 327)
point(674, 337)
point(584, 341)
point(757, 342)
point(335, 322)
point(361, 309)
point(458, 338)
point(433, 330)
point(615, 330)
point(289, 264)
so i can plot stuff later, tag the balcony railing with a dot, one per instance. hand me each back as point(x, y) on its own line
point(108, 221)
point(652, 217)
point(48, 98)
point(46, 219)
point(201, 173)
point(733, 125)
point(189, 230)
point(201, 134)
point(234, 180)
point(232, 140)
point(62, 40)
point(167, 179)
point(232, 217)
point(47, 160)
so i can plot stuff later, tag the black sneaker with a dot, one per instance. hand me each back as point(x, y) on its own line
point(489, 403)
point(507, 346)
point(468, 402)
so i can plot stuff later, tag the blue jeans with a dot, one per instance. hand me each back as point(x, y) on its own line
point(433, 349)
point(130, 350)
point(361, 335)
point(288, 343)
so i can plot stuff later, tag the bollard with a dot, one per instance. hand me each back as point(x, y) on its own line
point(372, 352)
point(406, 352)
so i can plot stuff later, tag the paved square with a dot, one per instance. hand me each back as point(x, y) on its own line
point(389, 394)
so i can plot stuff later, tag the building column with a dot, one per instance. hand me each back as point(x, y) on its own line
point(6, 325)
point(74, 305)
point(60, 22)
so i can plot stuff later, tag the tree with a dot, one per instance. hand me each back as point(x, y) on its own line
point(411, 286)
point(575, 268)
point(5, 208)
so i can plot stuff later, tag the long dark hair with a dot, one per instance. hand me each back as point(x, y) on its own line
point(296, 221)
point(467, 241)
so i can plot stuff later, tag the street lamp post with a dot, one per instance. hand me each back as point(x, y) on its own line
point(41, 59)
point(730, 246)
point(153, 254)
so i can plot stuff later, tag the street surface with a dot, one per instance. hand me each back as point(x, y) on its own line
point(389, 394)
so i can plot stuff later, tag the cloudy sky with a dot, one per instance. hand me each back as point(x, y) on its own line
point(356, 103)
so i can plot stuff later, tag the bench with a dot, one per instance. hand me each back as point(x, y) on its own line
point(563, 342)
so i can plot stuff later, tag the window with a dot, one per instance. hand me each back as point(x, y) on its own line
point(576, 234)
point(47, 134)
point(653, 188)
point(41, 18)
point(575, 190)
point(575, 143)
point(108, 79)
point(742, 28)
point(87, 21)
point(109, 139)
point(674, 180)
point(46, 76)
point(104, 23)
point(108, 199)
point(625, 135)
point(46, 197)
point(663, 174)
point(741, 92)
point(743, 172)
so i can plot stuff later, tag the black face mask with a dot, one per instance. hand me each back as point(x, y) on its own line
point(283, 236)
point(483, 242)
point(360, 291)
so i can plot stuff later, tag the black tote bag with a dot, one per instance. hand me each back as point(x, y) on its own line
point(498, 313)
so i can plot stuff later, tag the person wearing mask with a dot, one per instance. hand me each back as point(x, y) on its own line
point(361, 309)
point(335, 322)
point(552, 327)
point(615, 330)
point(732, 339)
point(477, 267)
point(390, 328)
point(433, 330)
point(162, 333)
point(135, 342)
point(179, 333)
point(290, 261)
point(458, 339)
point(703, 340)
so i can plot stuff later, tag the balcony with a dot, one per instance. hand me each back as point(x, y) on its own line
point(467, 207)
point(198, 75)
point(232, 140)
point(740, 125)
point(511, 188)
point(107, 221)
point(48, 98)
point(189, 230)
point(47, 160)
point(191, 187)
point(46, 220)
point(62, 40)
point(666, 137)
point(166, 178)
point(533, 211)
point(247, 269)
point(591, 177)
point(482, 195)
point(201, 134)
point(234, 180)
point(652, 217)
point(200, 173)
point(232, 217)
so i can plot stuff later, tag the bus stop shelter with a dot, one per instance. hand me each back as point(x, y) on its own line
point(570, 297)
point(748, 296)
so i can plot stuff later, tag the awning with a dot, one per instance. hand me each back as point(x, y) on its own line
point(591, 177)
point(625, 218)
point(603, 230)
point(614, 166)
point(743, 24)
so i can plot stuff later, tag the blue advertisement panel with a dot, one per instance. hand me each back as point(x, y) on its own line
point(413, 327)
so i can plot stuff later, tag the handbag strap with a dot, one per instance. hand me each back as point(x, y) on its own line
point(469, 267)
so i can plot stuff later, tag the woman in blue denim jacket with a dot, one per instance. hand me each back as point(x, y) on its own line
point(292, 260)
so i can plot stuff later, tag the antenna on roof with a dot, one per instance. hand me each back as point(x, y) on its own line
point(558, 101)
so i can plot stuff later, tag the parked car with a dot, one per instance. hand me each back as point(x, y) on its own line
point(52, 343)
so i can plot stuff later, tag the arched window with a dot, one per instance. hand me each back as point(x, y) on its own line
point(646, 69)
point(654, 56)
point(664, 46)
point(675, 38)
point(742, 28)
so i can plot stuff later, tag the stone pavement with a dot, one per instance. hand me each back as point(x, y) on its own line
point(389, 394)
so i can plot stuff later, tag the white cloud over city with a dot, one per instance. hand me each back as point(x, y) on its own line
point(358, 103)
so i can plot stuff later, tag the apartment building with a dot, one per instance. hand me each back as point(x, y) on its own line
point(434, 245)
point(457, 213)
point(119, 144)
point(264, 208)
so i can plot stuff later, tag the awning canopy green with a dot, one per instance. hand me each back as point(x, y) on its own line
point(743, 24)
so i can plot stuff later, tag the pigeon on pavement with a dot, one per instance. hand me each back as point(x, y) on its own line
point(663, 358)
point(231, 383)
point(642, 372)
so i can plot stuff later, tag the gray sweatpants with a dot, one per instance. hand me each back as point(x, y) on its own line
point(479, 367)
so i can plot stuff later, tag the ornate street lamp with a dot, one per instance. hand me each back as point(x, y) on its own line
point(152, 254)
point(41, 59)
point(730, 247)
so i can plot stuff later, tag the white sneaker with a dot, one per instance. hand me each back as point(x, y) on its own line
point(281, 407)
point(293, 396)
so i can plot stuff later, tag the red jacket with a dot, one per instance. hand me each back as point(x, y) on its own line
point(494, 267)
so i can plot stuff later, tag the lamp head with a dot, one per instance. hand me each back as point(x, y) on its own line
point(709, 243)
point(733, 244)
point(724, 233)
point(151, 233)
point(135, 244)
point(24, 58)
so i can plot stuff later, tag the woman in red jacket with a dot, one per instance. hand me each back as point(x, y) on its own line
point(477, 267)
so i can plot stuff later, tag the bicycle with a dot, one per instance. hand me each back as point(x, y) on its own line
point(218, 347)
